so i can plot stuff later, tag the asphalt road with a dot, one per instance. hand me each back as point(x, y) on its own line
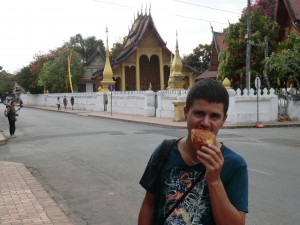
point(92, 166)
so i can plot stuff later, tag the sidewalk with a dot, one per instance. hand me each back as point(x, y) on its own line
point(23, 200)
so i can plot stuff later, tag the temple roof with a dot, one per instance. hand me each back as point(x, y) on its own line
point(135, 35)
point(93, 56)
point(207, 74)
point(293, 9)
point(218, 39)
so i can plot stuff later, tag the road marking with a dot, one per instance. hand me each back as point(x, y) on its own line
point(259, 171)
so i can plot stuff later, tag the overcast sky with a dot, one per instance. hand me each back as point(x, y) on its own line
point(29, 27)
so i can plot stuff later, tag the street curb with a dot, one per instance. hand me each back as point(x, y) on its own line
point(166, 125)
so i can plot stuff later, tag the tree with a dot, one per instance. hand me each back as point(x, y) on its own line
point(200, 57)
point(7, 82)
point(285, 64)
point(27, 77)
point(85, 47)
point(54, 74)
point(232, 61)
point(117, 48)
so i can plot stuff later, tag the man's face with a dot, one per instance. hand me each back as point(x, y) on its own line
point(205, 115)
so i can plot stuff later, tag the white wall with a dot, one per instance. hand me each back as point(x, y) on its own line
point(242, 108)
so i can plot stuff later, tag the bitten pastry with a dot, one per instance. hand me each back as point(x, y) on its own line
point(200, 137)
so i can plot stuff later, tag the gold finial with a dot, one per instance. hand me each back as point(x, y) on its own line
point(106, 30)
point(176, 40)
point(226, 83)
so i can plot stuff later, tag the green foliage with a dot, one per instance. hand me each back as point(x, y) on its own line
point(53, 75)
point(285, 64)
point(25, 78)
point(233, 62)
point(85, 47)
point(200, 57)
point(116, 49)
point(7, 82)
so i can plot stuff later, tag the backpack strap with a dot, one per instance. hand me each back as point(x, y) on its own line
point(164, 152)
point(162, 158)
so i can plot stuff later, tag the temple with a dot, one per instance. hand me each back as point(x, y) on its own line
point(145, 61)
point(287, 15)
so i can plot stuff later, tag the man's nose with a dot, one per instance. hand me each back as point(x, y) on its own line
point(205, 121)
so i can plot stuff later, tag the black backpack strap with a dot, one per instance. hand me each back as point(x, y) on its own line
point(162, 158)
point(164, 152)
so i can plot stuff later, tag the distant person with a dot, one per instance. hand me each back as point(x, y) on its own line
point(65, 101)
point(58, 102)
point(72, 102)
point(21, 103)
point(12, 118)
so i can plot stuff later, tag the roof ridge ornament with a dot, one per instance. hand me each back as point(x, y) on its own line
point(142, 9)
point(146, 10)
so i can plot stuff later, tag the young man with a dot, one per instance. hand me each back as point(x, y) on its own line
point(221, 196)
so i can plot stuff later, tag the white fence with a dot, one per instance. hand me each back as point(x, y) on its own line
point(242, 108)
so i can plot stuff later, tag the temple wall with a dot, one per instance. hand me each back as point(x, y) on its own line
point(242, 108)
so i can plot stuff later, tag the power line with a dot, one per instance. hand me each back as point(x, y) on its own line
point(187, 17)
point(111, 3)
point(207, 7)
point(209, 21)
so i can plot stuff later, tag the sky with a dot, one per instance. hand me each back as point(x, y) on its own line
point(30, 27)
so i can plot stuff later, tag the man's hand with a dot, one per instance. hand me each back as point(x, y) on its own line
point(212, 158)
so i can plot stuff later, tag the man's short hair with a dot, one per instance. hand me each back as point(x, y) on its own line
point(209, 90)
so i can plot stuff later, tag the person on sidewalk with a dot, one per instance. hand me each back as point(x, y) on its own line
point(72, 102)
point(220, 194)
point(65, 101)
point(58, 103)
point(12, 118)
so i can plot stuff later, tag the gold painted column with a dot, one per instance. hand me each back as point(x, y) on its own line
point(123, 87)
point(137, 71)
point(161, 70)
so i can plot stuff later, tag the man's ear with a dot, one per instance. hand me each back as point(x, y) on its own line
point(185, 110)
point(225, 117)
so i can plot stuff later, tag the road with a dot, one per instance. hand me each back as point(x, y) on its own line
point(92, 166)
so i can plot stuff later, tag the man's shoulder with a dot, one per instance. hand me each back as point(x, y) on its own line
point(231, 155)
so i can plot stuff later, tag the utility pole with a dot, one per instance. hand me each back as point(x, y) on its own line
point(248, 50)
point(266, 56)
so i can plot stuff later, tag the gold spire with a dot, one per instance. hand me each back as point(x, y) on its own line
point(107, 72)
point(176, 80)
point(226, 83)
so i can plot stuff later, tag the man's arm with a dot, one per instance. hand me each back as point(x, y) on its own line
point(223, 211)
point(147, 210)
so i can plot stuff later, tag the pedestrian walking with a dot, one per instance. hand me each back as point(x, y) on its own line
point(205, 184)
point(12, 118)
point(65, 101)
point(58, 102)
point(72, 102)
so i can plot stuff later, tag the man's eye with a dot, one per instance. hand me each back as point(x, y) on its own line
point(199, 113)
point(215, 116)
